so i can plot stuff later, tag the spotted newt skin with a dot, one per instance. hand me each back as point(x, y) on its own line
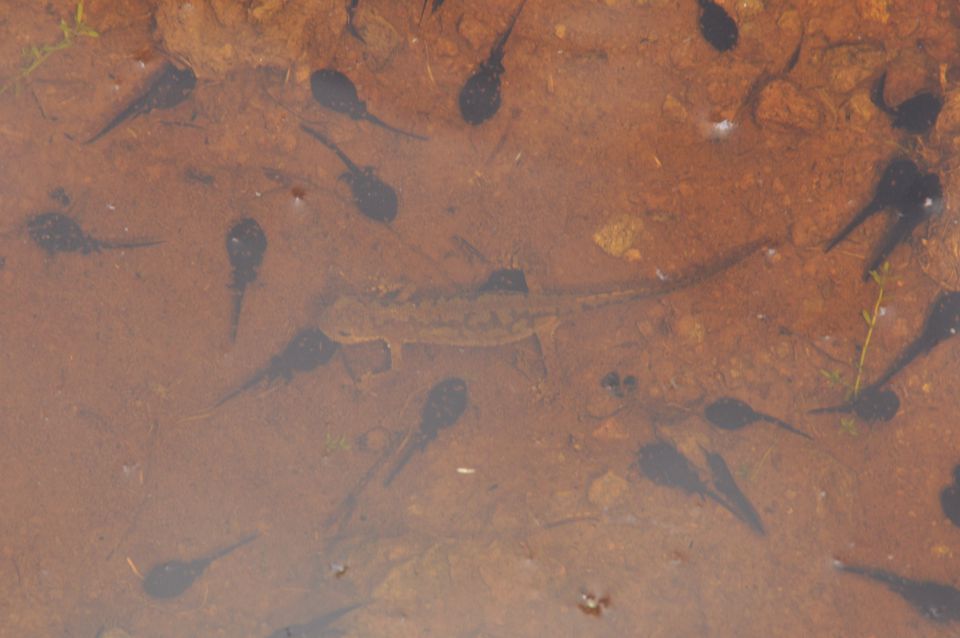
point(477, 319)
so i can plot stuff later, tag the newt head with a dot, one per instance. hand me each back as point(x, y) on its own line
point(348, 320)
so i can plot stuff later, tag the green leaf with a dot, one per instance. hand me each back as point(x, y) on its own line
point(876, 278)
point(79, 18)
point(867, 317)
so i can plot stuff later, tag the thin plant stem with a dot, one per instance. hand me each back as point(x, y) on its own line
point(871, 319)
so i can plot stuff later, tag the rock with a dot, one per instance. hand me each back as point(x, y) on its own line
point(782, 105)
point(847, 66)
point(607, 491)
point(219, 36)
point(616, 237)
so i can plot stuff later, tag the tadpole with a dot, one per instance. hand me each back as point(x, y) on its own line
point(168, 88)
point(373, 197)
point(445, 404)
point(480, 96)
point(58, 233)
point(728, 413)
point(172, 578)
point(246, 245)
point(332, 89)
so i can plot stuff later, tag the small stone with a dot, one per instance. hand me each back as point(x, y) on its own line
point(617, 235)
point(606, 491)
point(874, 10)
point(610, 430)
point(782, 105)
point(690, 330)
point(673, 110)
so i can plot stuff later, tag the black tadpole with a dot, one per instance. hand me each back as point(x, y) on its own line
point(445, 404)
point(728, 413)
point(167, 89)
point(332, 89)
point(246, 245)
point(372, 196)
point(58, 233)
point(950, 498)
point(942, 322)
point(935, 601)
point(717, 27)
point(315, 628)
point(917, 114)
point(480, 96)
point(891, 192)
point(725, 483)
point(309, 349)
point(663, 464)
point(923, 200)
point(172, 578)
point(870, 404)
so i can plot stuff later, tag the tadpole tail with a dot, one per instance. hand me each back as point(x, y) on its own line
point(786, 426)
point(876, 95)
point(900, 230)
point(316, 626)
point(320, 137)
point(722, 502)
point(352, 30)
point(750, 516)
point(496, 53)
point(133, 110)
point(351, 13)
point(878, 575)
point(725, 483)
point(345, 510)
point(117, 245)
point(405, 455)
point(911, 352)
point(843, 407)
point(370, 117)
point(235, 314)
point(860, 217)
point(254, 380)
point(220, 553)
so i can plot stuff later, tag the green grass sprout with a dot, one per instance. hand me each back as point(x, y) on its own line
point(848, 426)
point(35, 55)
point(834, 377)
point(879, 278)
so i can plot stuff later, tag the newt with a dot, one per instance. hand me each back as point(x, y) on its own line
point(485, 319)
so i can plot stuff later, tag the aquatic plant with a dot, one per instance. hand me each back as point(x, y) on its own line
point(35, 55)
point(834, 377)
point(879, 278)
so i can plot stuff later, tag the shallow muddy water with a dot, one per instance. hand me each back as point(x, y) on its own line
point(419, 454)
